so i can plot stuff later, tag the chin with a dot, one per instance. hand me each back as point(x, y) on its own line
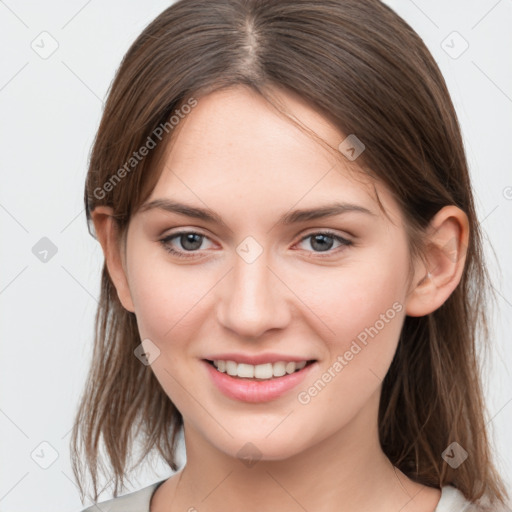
point(253, 448)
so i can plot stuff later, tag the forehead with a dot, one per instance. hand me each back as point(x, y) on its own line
point(234, 146)
point(241, 120)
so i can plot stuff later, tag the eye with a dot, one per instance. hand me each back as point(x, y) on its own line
point(323, 241)
point(190, 241)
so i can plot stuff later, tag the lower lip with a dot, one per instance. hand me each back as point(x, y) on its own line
point(256, 390)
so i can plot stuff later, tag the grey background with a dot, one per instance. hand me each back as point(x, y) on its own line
point(50, 109)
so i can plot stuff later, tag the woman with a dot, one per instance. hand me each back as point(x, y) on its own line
point(293, 268)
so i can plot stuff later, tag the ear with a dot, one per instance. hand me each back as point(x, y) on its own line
point(438, 275)
point(107, 233)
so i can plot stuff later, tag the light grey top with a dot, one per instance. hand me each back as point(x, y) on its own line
point(137, 501)
point(452, 500)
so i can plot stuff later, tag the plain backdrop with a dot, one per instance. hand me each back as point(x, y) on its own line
point(50, 108)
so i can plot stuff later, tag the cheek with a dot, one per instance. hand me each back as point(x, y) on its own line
point(357, 299)
point(168, 300)
point(364, 310)
point(166, 296)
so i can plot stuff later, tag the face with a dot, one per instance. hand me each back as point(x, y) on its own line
point(258, 283)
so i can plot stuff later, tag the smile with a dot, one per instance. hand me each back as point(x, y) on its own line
point(257, 383)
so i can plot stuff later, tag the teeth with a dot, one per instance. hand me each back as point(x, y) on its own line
point(245, 370)
point(259, 371)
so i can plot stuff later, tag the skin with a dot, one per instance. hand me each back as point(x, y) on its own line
point(235, 155)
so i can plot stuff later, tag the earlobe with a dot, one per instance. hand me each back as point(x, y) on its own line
point(107, 233)
point(437, 277)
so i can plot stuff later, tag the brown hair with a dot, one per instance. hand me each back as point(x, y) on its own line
point(361, 65)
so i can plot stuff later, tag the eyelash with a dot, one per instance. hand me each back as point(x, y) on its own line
point(322, 254)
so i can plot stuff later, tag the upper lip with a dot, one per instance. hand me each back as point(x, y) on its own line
point(257, 359)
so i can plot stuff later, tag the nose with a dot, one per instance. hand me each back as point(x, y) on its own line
point(253, 299)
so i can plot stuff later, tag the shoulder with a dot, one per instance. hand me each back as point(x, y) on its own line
point(452, 500)
point(137, 501)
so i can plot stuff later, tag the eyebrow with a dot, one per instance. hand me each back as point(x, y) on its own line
point(293, 217)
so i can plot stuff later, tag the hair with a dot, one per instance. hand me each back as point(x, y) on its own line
point(362, 66)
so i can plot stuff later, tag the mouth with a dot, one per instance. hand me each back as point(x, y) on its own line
point(257, 383)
